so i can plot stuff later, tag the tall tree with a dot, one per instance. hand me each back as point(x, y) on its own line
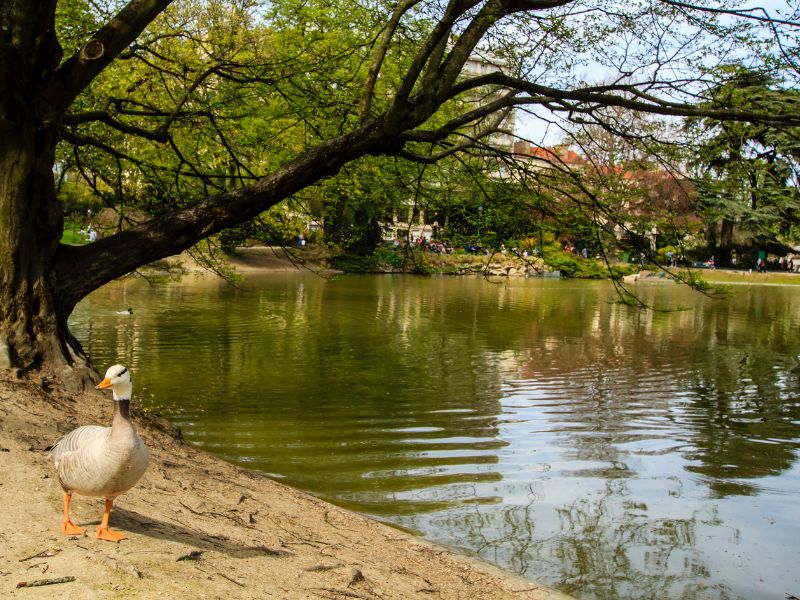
point(749, 172)
point(358, 79)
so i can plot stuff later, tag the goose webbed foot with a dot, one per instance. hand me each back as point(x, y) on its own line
point(103, 532)
point(69, 528)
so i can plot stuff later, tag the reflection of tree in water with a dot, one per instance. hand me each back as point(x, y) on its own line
point(745, 406)
point(612, 549)
point(719, 373)
point(716, 387)
point(604, 548)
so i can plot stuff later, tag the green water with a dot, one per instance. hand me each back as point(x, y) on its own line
point(605, 451)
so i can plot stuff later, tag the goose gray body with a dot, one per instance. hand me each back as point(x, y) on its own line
point(102, 461)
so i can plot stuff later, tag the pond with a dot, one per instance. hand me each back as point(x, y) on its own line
point(605, 451)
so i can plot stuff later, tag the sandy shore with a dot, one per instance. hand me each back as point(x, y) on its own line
point(268, 258)
point(198, 527)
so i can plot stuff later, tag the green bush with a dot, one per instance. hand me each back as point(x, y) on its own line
point(351, 263)
point(571, 265)
point(380, 260)
point(387, 257)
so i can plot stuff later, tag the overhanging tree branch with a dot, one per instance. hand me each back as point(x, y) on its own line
point(101, 116)
point(756, 13)
point(173, 232)
point(589, 98)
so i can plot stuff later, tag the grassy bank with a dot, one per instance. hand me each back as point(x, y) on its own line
point(745, 276)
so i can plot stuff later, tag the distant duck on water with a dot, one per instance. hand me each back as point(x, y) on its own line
point(124, 312)
point(101, 461)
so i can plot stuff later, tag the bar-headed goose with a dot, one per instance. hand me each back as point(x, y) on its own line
point(102, 461)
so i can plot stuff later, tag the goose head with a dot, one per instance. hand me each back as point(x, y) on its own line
point(118, 378)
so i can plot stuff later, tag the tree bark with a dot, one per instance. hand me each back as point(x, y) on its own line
point(33, 319)
point(725, 242)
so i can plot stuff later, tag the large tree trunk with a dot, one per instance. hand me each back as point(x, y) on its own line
point(43, 280)
point(725, 242)
point(33, 320)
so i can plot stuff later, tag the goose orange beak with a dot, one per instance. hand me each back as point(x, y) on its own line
point(106, 383)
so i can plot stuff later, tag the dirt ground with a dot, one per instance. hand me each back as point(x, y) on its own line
point(268, 258)
point(198, 527)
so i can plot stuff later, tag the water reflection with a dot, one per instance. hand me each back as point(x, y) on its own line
point(609, 452)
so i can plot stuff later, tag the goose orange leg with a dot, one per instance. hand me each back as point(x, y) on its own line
point(67, 526)
point(103, 532)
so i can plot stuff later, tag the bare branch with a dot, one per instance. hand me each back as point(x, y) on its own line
point(756, 13)
point(588, 99)
point(159, 135)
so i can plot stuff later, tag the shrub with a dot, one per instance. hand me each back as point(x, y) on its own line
point(571, 265)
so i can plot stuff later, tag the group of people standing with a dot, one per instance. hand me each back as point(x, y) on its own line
point(90, 234)
point(788, 264)
point(783, 264)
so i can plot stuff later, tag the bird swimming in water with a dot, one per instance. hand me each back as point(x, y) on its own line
point(102, 461)
point(124, 312)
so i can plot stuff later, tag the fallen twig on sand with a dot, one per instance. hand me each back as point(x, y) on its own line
point(231, 579)
point(323, 567)
point(43, 554)
point(339, 593)
point(51, 581)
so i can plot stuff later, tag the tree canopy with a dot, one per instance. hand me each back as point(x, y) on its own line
point(202, 114)
point(749, 172)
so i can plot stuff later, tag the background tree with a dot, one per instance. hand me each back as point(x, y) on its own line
point(207, 113)
point(748, 173)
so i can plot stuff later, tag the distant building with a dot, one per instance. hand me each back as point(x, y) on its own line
point(482, 63)
point(548, 157)
point(660, 194)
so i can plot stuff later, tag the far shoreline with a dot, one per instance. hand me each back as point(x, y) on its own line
point(266, 259)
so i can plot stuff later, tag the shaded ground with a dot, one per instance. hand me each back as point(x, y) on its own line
point(198, 527)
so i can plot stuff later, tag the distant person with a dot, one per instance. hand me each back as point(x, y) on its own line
point(92, 234)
